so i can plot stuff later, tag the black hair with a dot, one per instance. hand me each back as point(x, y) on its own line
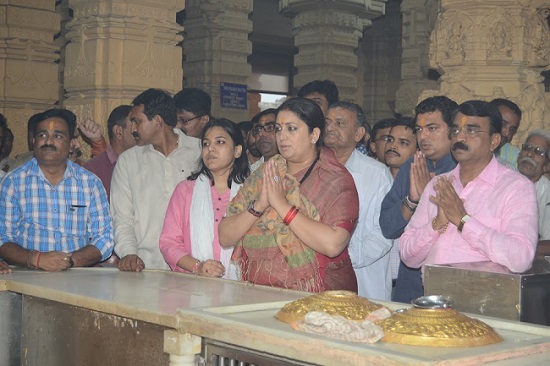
point(382, 124)
point(438, 103)
point(507, 103)
point(245, 126)
point(257, 117)
point(408, 122)
point(32, 122)
point(117, 118)
point(480, 108)
point(193, 100)
point(309, 112)
point(157, 102)
point(3, 122)
point(361, 118)
point(325, 87)
point(64, 114)
point(240, 167)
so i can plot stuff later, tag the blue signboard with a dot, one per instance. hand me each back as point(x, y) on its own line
point(233, 95)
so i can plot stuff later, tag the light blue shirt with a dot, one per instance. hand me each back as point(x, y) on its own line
point(65, 217)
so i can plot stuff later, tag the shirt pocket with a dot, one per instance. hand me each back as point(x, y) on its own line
point(76, 220)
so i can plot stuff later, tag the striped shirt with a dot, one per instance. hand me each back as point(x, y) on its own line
point(65, 217)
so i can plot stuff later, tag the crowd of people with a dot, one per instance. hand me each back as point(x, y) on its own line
point(308, 196)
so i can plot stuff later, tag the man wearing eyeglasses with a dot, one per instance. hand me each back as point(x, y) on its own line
point(507, 153)
point(193, 107)
point(380, 132)
point(533, 162)
point(264, 129)
point(481, 210)
point(432, 122)
point(263, 132)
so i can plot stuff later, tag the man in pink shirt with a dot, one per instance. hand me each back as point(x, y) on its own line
point(479, 211)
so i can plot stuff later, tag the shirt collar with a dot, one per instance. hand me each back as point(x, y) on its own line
point(443, 165)
point(111, 154)
point(70, 171)
point(488, 175)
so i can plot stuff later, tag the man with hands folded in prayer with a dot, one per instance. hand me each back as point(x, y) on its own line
point(481, 210)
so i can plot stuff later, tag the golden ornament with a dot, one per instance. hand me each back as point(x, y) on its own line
point(344, 303)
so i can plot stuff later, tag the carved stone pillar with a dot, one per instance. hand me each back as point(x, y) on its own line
point(327, 33)
point(487, 49)
point(117, 49)
point(28, 72)
point(216, 49)
point(414, 60)
point(380, 58)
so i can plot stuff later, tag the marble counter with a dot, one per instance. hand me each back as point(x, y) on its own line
point(243, 315)
point(151, 296)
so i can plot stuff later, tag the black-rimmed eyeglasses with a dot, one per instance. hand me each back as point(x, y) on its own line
point(186, 121)
point(268, 127)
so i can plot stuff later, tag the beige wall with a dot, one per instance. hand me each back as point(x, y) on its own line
point(91, 55)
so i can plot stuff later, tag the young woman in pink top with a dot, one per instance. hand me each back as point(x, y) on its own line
point(189, 237)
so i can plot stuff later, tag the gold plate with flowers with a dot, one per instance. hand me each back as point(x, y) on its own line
point(344, 303)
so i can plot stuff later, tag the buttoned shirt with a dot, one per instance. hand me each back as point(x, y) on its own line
point(142, 184)
point(65, 217)
point(543, 198)
point(103, 166)
point(502, 227)
point(368, 249)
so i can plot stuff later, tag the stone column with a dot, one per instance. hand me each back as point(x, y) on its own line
point(487, 49)
point(415, 75)
point(182, 347)
point(380, 57)
point(327, 33)
point(216, 49)
point(28, 69)
point(117, 49)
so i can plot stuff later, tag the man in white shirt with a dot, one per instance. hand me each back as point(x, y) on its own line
point(368, 249)
point(533, 162)
point(145, 177)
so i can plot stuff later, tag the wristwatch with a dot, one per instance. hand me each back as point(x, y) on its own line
point(463, 220)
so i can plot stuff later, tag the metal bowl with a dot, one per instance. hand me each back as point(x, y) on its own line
point(433, 302)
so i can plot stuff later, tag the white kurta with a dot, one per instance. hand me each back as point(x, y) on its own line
point(543, 199)
point(368, 249)
point(141, 187)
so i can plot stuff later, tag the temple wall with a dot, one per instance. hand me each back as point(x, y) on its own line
point(92, 55)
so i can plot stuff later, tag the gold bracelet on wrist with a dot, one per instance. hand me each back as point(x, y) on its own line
point(440, 230)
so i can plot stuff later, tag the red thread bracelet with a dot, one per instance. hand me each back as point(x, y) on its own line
point(38, 260)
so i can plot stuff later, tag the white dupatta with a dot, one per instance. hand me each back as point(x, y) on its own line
point(201, 221)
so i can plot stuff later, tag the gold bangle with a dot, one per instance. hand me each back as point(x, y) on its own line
point(440, 230)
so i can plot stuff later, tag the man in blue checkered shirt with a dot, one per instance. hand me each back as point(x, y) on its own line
point(54, 214)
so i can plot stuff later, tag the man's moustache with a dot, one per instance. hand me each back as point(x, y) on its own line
point(460, 145)
point(529, 160)
point(392, 151)
point(51, 147)
point(136, 135)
